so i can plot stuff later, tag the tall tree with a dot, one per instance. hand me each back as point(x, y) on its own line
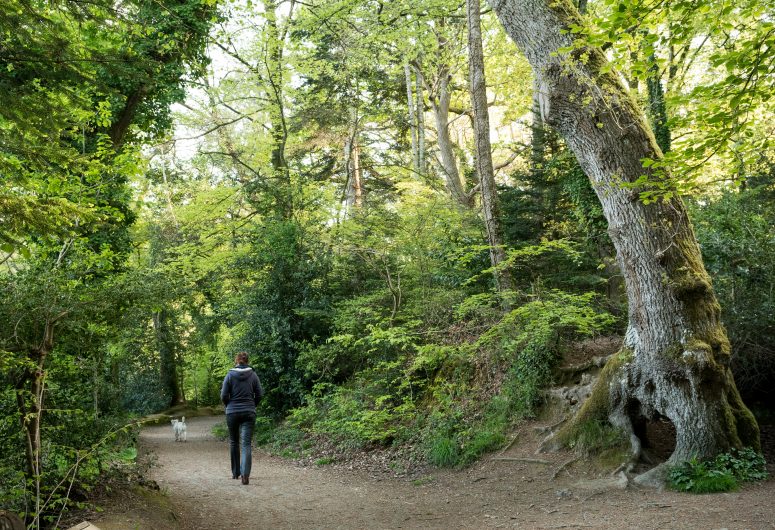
point(276, 31)
point(352, 159)
point(484, 168)
point(110, 73)
point(675, 362)
point(440, 95)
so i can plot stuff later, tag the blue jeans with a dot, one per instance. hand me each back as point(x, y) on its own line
point(241, 426)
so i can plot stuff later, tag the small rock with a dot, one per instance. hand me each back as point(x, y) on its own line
point(563, 494)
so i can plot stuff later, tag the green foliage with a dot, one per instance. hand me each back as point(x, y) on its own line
point(717, 103)
point(371, 325)
point(288, 441)
point(696, 477)
point(724, 473)
point(735, 232)
point(443, 451)
point(745, 464)
point(263, 430)
point(80, 87)
point(220, 430)
point(283, 309)
point(406, 386)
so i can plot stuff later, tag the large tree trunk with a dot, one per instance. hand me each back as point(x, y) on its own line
point(483, 150)
point(675, 363)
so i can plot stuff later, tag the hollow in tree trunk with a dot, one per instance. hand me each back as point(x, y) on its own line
point(675, 361)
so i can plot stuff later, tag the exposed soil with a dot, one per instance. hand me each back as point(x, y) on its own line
point(515, 489)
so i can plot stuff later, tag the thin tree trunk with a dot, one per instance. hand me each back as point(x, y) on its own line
point(31, 411)
point(357, 174)
point(120, 127)
point(30, 391)
point(483, 149)
point(349, 198)
point(354, 191)
point(277, 123)
point(538, 136)
point(412, 118)
point(447, 159)
point(96, 389)
point(676, 358)
point(420, 110)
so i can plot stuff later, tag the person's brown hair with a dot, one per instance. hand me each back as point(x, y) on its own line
point(241, 358)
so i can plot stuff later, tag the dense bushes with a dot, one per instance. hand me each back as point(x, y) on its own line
point(450, 385)
point(735, 232)
point(80, 452)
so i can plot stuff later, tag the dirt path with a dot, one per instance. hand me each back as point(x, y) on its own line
point(493, 494)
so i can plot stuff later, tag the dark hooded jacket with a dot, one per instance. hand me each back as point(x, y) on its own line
point(241, 390)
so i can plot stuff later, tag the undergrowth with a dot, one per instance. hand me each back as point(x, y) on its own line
point(450, 400)
point(595, 437)
point(723, 473)
point(262, 431)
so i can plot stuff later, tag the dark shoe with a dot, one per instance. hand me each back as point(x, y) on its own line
point(235, 477)
point(246, 480)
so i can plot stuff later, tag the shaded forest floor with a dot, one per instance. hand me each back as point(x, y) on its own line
point(515, 489)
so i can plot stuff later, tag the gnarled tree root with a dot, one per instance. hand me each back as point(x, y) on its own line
point(701, 401)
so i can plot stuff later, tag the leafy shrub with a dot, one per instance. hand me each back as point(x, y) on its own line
point(263, 431)
point(701, 477)
point(483, 441)
point(220, 430)
point(287, 441)
point(745, 464)
point(443, 451)
point(533, 333)
point(724, 473)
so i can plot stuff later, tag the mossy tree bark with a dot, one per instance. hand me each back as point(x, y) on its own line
point(676, 358)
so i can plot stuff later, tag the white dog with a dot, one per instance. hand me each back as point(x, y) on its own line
point(179, 428)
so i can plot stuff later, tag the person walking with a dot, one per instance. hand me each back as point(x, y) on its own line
point(241, 392)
